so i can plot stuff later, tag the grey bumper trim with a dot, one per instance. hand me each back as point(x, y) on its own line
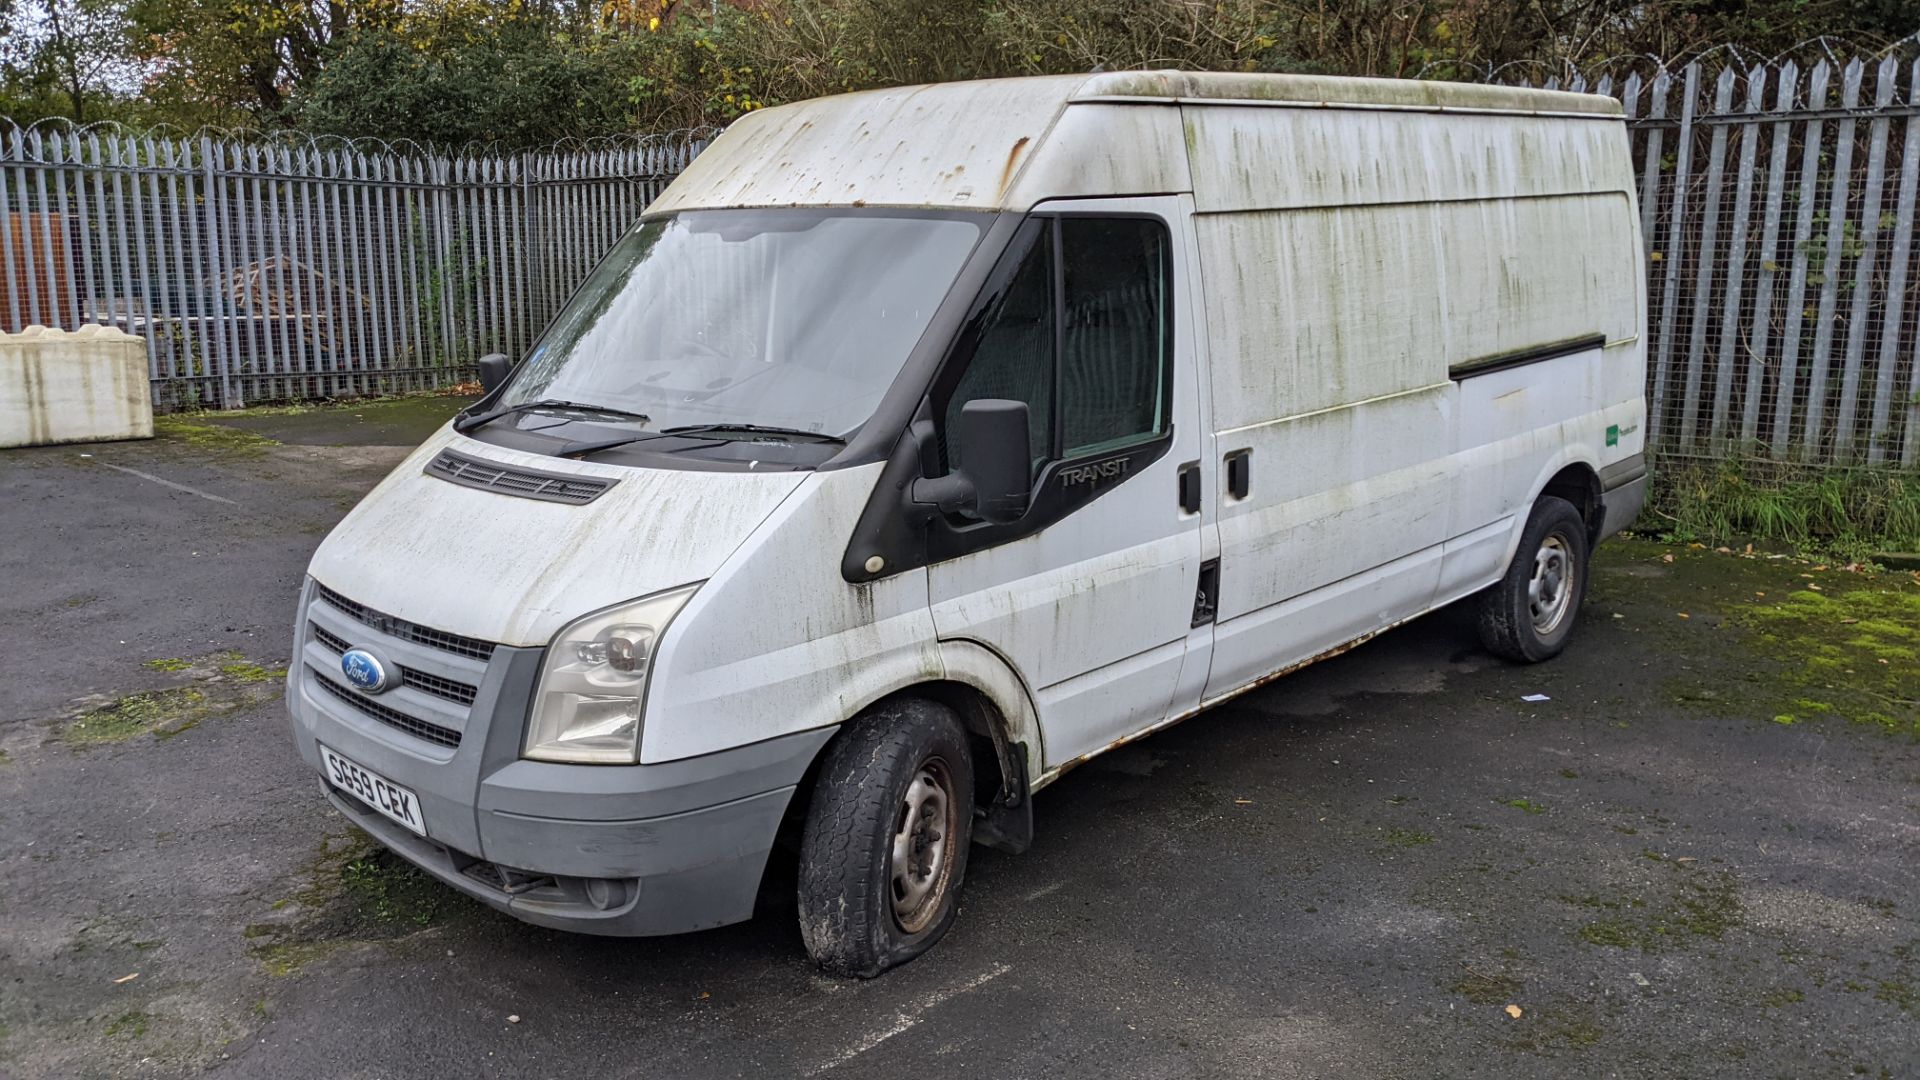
point(1622, 504)
point(1623, 472)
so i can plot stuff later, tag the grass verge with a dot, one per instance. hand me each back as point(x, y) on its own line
point(1851, 512)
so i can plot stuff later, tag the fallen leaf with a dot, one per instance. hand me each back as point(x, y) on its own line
point(126, 978)
point(1515, 1011)
point(1667, 557)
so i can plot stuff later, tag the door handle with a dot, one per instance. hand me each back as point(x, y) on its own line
point(1190, 487)
point(1239, 473)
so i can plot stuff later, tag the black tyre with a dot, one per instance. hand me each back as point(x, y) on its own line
point(885, 843)
point(1530, 613)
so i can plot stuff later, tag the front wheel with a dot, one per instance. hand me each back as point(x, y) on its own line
point(885, 843)
point(1530, 613)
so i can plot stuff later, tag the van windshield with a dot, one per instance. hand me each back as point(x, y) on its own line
point(795, 319)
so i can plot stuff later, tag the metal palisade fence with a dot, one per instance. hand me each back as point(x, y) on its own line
point(1778, 210)
point(283, 268)
point(1777, 207)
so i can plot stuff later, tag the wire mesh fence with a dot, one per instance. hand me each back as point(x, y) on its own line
point(273, 269)
point(1777, 208)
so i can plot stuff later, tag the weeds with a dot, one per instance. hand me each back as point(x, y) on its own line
point(1853, 511)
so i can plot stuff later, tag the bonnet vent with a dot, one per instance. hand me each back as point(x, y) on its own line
point(515, 480)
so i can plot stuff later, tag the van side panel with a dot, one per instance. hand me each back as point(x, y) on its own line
point(1317, 553)
point(1255, 158)
point(1349, 281)
point(1313, 309)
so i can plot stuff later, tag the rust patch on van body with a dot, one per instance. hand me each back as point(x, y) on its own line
point(1013, 158)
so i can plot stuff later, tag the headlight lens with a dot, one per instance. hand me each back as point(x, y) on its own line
point(587, 709)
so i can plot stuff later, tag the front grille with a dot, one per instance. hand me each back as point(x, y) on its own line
point(327, 638)
point(457, 692)
point(412, 725)
point(401, 628)
point(569, 488)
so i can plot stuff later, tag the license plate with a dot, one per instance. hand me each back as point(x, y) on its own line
point(392, 800)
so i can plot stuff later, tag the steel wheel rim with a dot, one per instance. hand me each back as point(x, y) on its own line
point(922, 858)
point(1550, 590)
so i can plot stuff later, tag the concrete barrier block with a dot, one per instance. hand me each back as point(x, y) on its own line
point(85, 385)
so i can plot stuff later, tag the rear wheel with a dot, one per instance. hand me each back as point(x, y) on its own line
point(1530, 613)
point(884, 848)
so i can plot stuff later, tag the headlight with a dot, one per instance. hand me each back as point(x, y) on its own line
point(587, 709)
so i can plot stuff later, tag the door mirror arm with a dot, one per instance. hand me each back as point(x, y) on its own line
point(994, 484)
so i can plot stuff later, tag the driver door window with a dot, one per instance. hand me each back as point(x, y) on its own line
point(1082, 335)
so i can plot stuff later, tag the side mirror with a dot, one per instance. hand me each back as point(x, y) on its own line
point(993, 480)
point(494, 369)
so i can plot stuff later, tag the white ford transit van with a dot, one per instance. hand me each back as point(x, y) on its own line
point(917, 445)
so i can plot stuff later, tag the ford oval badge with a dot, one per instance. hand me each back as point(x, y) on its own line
point(364, 670)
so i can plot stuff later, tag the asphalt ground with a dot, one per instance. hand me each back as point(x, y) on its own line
point(1699, 856)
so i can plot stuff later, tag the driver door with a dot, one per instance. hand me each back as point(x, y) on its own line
point(1096, 610)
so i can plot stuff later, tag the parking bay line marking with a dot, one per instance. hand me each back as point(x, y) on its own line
point(907, 1018)
point(163, 482)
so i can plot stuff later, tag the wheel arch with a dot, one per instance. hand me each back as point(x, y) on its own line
point(993, 704)
point(1579, 483)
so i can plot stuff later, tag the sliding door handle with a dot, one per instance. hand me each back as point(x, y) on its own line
point(1239, 473)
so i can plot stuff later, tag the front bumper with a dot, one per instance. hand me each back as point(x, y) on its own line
point(666, 875)
point(600, 849)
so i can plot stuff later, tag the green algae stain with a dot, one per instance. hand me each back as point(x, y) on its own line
point(159, 712)
point(1853, 654)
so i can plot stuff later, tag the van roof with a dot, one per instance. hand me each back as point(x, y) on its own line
point(964, 145)
point(1331, 91)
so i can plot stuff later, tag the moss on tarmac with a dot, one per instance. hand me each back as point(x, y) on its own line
point(1806, 640)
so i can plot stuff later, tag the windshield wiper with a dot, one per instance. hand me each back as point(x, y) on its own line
point(468, 423)
point(717, 432)
point(750, 429)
